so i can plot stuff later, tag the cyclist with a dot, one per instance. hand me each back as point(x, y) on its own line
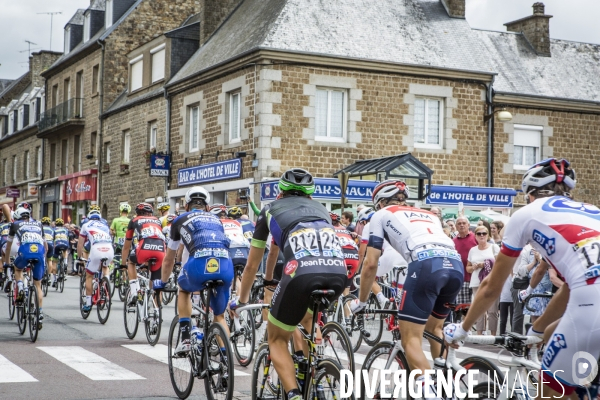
point(349, 247)
point(151, 244)
point(118, 227)
point(94, 207)
point(97, 234)
point(164, 208)
point(61, 245)
point(29, 235)
point(566, 233)
point(302, 228)
point(238, 244)
point(49, 238)
point(204, 238)
point(235, 213)
point(4, 230)
point(435, 271)
point(167, 229)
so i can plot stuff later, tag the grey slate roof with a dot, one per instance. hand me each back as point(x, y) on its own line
point(12, 84)
point(123, 102)
point(97, 5)
point(571, 73)
point(417, 32)
point(77, 18)
point(4, 83)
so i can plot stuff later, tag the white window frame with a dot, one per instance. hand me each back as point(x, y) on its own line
point(15, 166)
point(158, 63)
point(426, 145)
point(21, 117)
point(107, 153)
point(153, 135)
point(191, 130)
point(67, 40)
point(328, 137)
point(11, 123)
point(26, 165)
point(534, 139)
point(87, 20)
point(235, 137)
point(108, 14)
point(126, 147)
point(137, 62)
point(39, 161)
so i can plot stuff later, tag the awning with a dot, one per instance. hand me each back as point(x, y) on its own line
point(405, 167)
point(471, 196)
point(325, 189)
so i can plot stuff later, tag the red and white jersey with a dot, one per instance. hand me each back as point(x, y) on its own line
point(96, 232)
point(565, 232)
point(408, 229)
point(235, 233)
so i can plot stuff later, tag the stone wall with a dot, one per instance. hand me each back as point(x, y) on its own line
point(38, 63)
point(213, 13)
point(29, 143)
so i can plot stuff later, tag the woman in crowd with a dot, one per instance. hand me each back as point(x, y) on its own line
point(495, 229)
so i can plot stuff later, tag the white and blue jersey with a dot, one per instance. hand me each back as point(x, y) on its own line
point(30, 235)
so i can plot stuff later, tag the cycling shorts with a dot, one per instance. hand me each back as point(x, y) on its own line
point(147, 249)
point(86, 247)
point(430, 284)
point(50, 251)
point(238, 255)
point(57, 251)
point(278, 271)
point(97, 253)
point(32, 252)
point(291, 299)
point(197, 271)
point(578, 331)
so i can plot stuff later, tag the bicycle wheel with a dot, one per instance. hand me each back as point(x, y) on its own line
point(130, 317)
point(483, 391)
point(345, 320)
point(327, 382)
point(218, 364)
point(104, 302)
point(243, 340)
point(82, 301)
point(11, 299)
point(45, 281)
point(153, 323)
point(180, 368)
point(373, 322)
point(60, 284)
point(265, 380)
point(377, 359)
point(123, 285)
point(167, 297)
point(33, 314)
point(337, 345)
point(22, 315)
point(488, 372)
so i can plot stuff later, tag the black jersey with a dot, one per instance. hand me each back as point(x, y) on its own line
point(30, 231)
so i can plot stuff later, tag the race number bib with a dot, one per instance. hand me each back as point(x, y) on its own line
point(588, 251)
point(304, 243)
point(121, 241)
point(330, 242)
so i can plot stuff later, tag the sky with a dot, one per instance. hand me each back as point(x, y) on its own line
point(575, 20)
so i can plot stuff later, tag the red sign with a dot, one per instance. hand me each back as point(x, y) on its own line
point(13, 192)
point(81, 187)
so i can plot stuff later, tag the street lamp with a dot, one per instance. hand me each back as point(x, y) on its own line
point(503, 116)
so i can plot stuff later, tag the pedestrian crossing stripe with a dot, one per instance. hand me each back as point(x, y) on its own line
point(10, 372)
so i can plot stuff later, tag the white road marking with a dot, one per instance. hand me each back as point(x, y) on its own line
point(12, 373)
point(90, 364)
point(160, 353)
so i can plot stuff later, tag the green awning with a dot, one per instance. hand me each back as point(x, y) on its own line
point(473, 216)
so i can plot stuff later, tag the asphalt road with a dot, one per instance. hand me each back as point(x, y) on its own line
point(75, 358)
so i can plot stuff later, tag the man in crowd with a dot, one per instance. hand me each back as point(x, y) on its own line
point(347, 218)
point(463, 242)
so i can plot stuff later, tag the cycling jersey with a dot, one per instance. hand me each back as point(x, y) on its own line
point(203, 237)
point(98, 235)
point(61, 238)
point(567, 234)
point(248, 228)
point(30, 235)
point(151, 244)
point(119, 226)
point(435, 270)
point(239, 245)
point(49, 238)
point(350, 250)
point(163, 220)
point(4, 229)
point(389, 259)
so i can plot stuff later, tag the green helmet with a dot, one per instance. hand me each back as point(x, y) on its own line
point(297, 180)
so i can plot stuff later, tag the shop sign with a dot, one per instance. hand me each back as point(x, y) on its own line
point(210, 172)
point(13, 192)
point(32, 190)
point(326, 189)
point(80, 188)
point(50, 193)
point(471, 196)
point(159, 165)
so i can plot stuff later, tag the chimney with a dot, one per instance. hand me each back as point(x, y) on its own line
point(535, 28)
point(455, 8)
point(38, 63)
point(213, 13)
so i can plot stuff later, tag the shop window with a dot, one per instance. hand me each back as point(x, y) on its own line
point(330, 114)
point(527, 145)
point(137, 73)
point(194, 136)
point(428, 125)
point(158, 63)
point(234, 117)
point(152, 133)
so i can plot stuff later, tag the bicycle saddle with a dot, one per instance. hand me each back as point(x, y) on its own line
point(213, 283)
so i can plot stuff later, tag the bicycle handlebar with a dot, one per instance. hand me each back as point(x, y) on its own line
point(546, 295)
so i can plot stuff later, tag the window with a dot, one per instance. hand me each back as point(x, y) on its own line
point(54, 96)
point(53, 160)
point(93, 138)
point(67, 40)
point(38, 161)
point(11, 123)
point(86, 26)
point(14, 168)
point(428, 123)
point(108, 14)
point(67, 90)
point(194, 127)
point(22, 117)
point(64, 155)
point(126, 146)
point(79, 94)
point(107, 153)
point(16, 123)
point(95, 82)
point(137, 73)
point(152, 132)
point(158, 63)
point(330, 115)
point(5, 169)
point(527, 145)
point(234, 117)
point(76, 153)
point(26, 165)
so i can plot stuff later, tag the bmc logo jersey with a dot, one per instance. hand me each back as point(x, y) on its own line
point(145, 227)
point(200, 232)
point(235, 233)
point(565, 232)
point(96, 232)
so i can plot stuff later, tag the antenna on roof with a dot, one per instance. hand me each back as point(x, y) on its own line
point(51, 18)
point(29, 43)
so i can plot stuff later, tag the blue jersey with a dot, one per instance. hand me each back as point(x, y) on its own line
point(61, 237)
point(198, 230)
point(247, 227)
point(27, 232)
point(49, 235)
point(86, 220)
point(4, 229)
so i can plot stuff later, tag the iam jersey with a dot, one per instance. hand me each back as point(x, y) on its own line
point(408, 229)
point(202, 234)
point(235, 233)
point(95, 232)
point(565, 232)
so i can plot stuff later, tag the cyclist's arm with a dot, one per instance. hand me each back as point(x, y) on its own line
point(271, 261)
point(555, 309)
point(168, 263)
point(374, 249)
point(6, 212)
point(556, 281)
point(254, 258)
point(80, 243)
point(179, 254)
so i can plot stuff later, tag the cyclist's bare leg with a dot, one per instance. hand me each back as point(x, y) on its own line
point(412, 341)
point(376, 289)
point(104, 271)
point(131, 271)
point(280, 355)
point(89, 279)
point(435, 326)
point(184, 304)
point(38, 286)
point(550, 330)
point(299, 342)
point(347, 312)
point(221, 320)
point(268, 296)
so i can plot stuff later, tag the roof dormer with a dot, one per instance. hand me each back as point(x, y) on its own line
point(93, 19)
point(74, 31)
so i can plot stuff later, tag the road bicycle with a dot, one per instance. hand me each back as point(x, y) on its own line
point(28, 312)
point(321, 375)
point(119, 278)
point(339, 311)
point(100, 294)
point(45, 283)
point(11, 290)
point(210, 357)
point(61, 272)
point(171, 286)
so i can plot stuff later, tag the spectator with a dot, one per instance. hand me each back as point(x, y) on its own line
point(358, 228)
point(446, 229)
point(452, 226)
point(495, 229)
point(480, 263)
point(437, 212)
point(527, 260)
point(464, 241)
point(347, 218)
point(506, 305)
point(539, 304)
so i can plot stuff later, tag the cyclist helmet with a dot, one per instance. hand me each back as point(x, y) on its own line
point(144, 209)
point(46, 221)
point(163, 206)
point(334, 217)
point(171, 218)
point(94, 214)
point(22, 213)
point(218, 209)
point(26, 205)
point(297, 181)
point(389, 189)
point(365, 214)
point(95, 207)
point(235, 212)
point(59, 222)
point(125, 208)
point(548, 171)
point(197, 193)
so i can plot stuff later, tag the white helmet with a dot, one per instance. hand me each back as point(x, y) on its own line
point(388, 189)
point(21, 213)
point(365, 214)
point(197, 192)
point(548, 171)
